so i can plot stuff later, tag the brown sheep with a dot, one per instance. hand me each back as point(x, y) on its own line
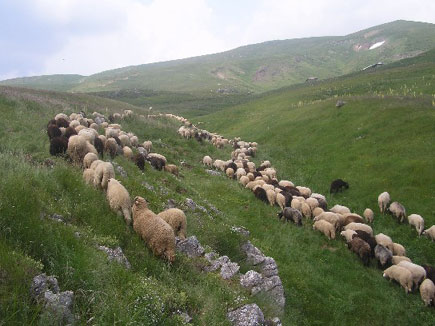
point(177, 220)
point(361, 248)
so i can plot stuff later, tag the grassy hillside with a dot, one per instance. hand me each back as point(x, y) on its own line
point(49, 82)
point(264, 66)
point(380, 140)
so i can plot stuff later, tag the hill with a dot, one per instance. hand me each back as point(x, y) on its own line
point(260, 67)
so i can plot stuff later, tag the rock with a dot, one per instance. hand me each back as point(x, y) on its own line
point(241, 230)
point(248, 315)
point(251, 279)
point(213, 172)
point(148, 186)
point(340, 103)
point(211, 256)
point(229, 269)
point(273, 322)
point(268, 267)
point(77, 234)
point(193, 206)
point(253, 254)
point(189, 246)
point(185, 316)
point(42, 283)
point(171, 203)
point(116, 255)
point(121, 171)
point(58, 218)
point(274, 289)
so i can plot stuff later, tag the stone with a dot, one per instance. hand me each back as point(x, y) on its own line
point(253, 254)
point(189, 246)
point(171, 203)
point(274, 289)
point(193, 206)
point(251, 279)
point(241, 230)
point(116, 255)
point(268, 267)
point(213, 172)
point(148, 186)
point(340, 103)
point(228, 270)
point(247, 315)
point(58, 218)
point(121, 171)
point(42, 283)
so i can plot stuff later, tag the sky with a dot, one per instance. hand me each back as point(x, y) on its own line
point(40, 37)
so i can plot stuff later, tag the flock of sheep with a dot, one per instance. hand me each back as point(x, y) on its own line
point(78, 137)
point(298, 202)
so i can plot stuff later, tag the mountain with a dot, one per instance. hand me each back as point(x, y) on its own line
point(258, 67)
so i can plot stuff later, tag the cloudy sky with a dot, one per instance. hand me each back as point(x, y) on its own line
point(88, 36)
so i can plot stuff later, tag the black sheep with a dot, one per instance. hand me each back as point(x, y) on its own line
point(231, 165)
point(430, 272)
point(361, 248)
point(58, 145)
point(111, 118)
point(99, 146)
point(51, 122)
point(139, 160)
point(61, 122)
point(294, 191)
point(256, 174)
point(367, 238)
point(260, 193)
point(156, 162)
point(291, 214)
point(338, 185)
point(70, 131)
point(118, 141)
point(53, 131)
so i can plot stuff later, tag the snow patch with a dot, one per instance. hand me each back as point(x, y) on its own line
point(376, 45)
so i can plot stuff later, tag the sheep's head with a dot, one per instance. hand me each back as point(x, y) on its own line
point(140, 202)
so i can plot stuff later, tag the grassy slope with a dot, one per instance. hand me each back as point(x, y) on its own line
point(268, 65)
point(50, 82)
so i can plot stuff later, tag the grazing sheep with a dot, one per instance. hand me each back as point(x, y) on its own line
point(291, 215)
point(306, 210)
point(397, 259)
point(139, 160)
point(384, 240)
point(340, 209)
point(157, 161)
point(127, 152)
point(53, 131)
point(418, 272)
point(88, 134)
point(158, 234)
point(171, 168)
point(351, 217)
point(430, 232)
point(338, 185)
point(61, 116)
point(325, 227)
point(88, 159)
point(240, 172)
point(148, 145)
point(359, 226)
point(271, 196)
point(95, 164)
point(398, 211)
point(296, 204)
point(88, 176)
point(383, 201)
point(119, 199)
point(78, 147)
point(323, 204)
point(427, 292)
point(125, 140)
point(230, 173)
point(305, 192)
point(177, 220)
point(398, 249)
point(430, 272)
point(383, 255)
point(329, 217)
point(62, 123)
point(207, 160)
point(400, 275)
point(368, 215)
point(417, 221)
point(348, 234)
point(244, 180)
point(367, 238)
point(312, 202)
point(111, 147)
point(70, 131)
point(103, 172)
point(99, 146)
point(361, 248)
point(260, 193)
point(286, 183)
point(134, 141)
point(58, 145)
point(317, 211)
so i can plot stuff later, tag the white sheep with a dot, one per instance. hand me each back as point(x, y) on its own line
point(368, 215)
point(430, 232)
point(127, 152)
point(207, 160)
point(398, 249)
point(398, 211)
point(385, 240)
point(286, 183)
point(397, 259)
point(401, 275)
point(317, 211)
point(244, 180)
point(296, 204)
point(88, 176)
point(427, 292)
point(312, 202)
point(306, 210)
point(176, 218)
point(103, 172)
point(89, 159)
point(240, 172)
point(125, 140)
point(383, 201)
point(359, 226)
point(418, 272)
point(417, 221)
point(305, 191)
point(148, 145)
point(271, 196)
point(348, 234)
point(119, 199)
point(331, 217)
point(339, 209)
point(325, 227)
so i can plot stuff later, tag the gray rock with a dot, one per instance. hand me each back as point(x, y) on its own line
point(240, 229)
point(253, 254)
point(272, 286)
point(121, 171)
point(248, 315)
point(148, 186)
point(211, 256)
point(58, 218)
point(228, 270)
point(171, 203)
point(185, 316)
point(41, 284)
point(213, 172)
point(268, 267)
point(251, 279)
point(189, 246)
point(116, 255)
point(340, 103)
point(194, 206)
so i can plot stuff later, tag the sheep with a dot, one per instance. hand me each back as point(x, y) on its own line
point(95, 164)
point(368, 215)
point(88, 176)
point(252, 184)
point(383, 255)
point(177, 221)
point(111, 147)
point(148, 145)
point(312, 202)
point(251, 166)
point(367, 238)
point(271, 196)
point(417, 221)
point(291, 214)
point(430, 232)
point(88, 159)
point(306, 210)
point(125, 140)
point(261, 194)
point(240, 172)
point(244, 181)
point(58, 145)
point(99, 145)
point(111, 132)
point(398, 259)
point(139, 160)
point(325, 227)
point(134, 141)
point(427, 292)
point(119, 199)
point(359, 226)
point(329, 217)
point(398, 211)
point(400, 275)
point(286, 183)
point(384, 240)
point(78, 147)
point(305, 192)
point(230, 173)
point(321, 199)
point(317, 211)
point(127, 152)
point(219, 164)
point(171, 168)
point(338, 185)
point(158, 234)
point(70, 131)
point(361, 248)
point(348, 234)
point(103, 172)
point(88, 134)
point(296, 204)
point(340, 209)
point(383, 201)
point(61, 116)
point(398, 249)
point(53, 131)
point(74, 124)
point(418, 272)
point(157, 161)
point(207, 160)
point(430, 271)
point(351, 217)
